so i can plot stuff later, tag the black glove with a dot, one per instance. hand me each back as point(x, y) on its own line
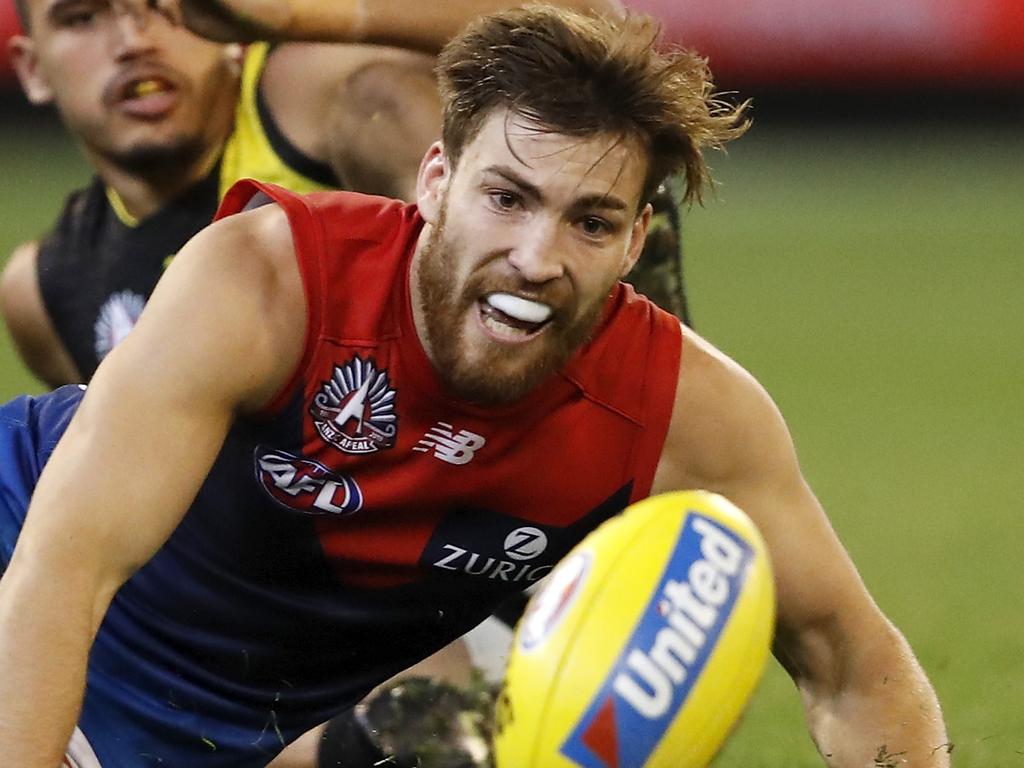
point(346, 743)
point(416, 723)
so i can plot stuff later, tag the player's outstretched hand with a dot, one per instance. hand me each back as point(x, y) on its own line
point(236, 20)
point(222, 20)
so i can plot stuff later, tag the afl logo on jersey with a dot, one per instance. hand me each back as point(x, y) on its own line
point(355, 409)
point(306, 486)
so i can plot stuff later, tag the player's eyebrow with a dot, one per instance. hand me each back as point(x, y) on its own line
point(605, 200)
point(57, 7)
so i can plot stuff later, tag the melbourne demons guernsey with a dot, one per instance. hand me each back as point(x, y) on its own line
point(369, 517)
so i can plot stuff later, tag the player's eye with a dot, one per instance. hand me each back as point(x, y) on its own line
point(503, 199)
point(77, 19)
point(595, 226)
point(75, 15)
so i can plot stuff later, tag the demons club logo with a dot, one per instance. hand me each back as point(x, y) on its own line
point(355, 409)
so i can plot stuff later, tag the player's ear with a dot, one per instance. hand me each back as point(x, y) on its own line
point(22, 51)
point(636, 238)
point(431, 182)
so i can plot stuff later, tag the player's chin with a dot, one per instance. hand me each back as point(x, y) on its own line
point(153, 147)
point(501, 376)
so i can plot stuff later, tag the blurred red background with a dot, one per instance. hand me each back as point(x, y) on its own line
point(874, 43)
point(8, 27)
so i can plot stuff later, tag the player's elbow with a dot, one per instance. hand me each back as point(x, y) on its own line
point(14, 280)
point(834, 654)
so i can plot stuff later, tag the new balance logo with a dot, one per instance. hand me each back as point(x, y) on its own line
point(455, 448)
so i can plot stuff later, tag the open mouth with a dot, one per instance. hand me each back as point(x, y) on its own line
point(144, 88)
point(140, 89)
point(146, 95)
point(513, 318)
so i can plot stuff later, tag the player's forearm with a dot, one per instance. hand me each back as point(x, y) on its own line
point(424, 26)
point(885, 712)
point(45, 635)
point(428, 26)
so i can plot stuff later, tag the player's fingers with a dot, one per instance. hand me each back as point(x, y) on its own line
point(169, 9)
point(142, 10)
point(134, 8)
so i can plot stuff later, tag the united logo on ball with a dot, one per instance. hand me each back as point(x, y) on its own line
point(646, 643)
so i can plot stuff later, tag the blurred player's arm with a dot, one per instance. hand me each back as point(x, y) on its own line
point(426, 26)
point(221, 334)
point(28, 322)
point(369, 112)
point(865, 696)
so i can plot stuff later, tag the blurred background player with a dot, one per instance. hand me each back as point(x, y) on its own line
point(169, 120)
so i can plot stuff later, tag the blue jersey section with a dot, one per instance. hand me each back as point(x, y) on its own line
point(663, 658)
point(29, 430)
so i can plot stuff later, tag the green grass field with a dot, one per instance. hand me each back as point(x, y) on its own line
point(870, 278)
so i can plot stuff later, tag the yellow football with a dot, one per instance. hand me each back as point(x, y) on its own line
point(645, 644)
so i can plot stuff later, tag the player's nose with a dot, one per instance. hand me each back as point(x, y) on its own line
point(134, 29)
point(536, 254)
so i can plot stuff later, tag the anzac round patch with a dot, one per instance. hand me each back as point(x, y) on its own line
point(355, 409)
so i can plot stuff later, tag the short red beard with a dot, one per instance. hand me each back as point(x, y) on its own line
point(501, 375)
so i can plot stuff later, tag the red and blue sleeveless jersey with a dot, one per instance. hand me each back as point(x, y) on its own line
point(368, 517)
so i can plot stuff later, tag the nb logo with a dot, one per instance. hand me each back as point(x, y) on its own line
point(449, 446)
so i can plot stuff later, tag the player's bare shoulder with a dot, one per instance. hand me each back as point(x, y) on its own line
point(724, 424)
point(237, 285)
point(253, 246)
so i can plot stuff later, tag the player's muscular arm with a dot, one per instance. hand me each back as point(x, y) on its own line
point(370, 112)
point(221, 334)
point(29, 324)
point(863, 691)
point(426, 26)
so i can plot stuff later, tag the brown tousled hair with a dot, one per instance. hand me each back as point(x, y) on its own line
point(583, 76)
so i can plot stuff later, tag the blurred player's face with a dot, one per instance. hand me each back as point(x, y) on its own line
point(525, 239)
point(137, 91)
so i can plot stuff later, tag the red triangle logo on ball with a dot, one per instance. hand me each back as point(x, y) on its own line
point(600, 737)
